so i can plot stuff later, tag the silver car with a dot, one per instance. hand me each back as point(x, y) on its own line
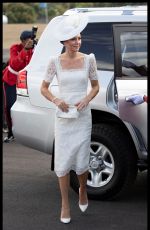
point(118, 38)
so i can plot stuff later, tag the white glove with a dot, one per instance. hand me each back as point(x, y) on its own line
point(136, 99)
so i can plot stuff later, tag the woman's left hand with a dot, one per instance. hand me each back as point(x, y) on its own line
point(82, 104)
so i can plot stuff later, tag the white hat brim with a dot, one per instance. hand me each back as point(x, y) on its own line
point(69, 26)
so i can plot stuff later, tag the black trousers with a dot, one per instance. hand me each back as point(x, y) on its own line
point(9, 94)
point(53, 159)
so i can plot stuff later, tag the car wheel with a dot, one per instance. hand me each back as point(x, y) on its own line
point(112, 165)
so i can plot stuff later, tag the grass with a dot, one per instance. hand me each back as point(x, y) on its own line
point(11, 33)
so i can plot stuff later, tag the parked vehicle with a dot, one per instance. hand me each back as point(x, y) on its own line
point(118, 38)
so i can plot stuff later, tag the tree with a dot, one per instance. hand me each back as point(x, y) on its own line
point(20, 13)
point(32, 12)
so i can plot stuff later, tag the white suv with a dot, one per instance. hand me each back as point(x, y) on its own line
point(118, 38)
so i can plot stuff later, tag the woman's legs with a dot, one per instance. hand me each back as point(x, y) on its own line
point(83, 199)
point(64, 189)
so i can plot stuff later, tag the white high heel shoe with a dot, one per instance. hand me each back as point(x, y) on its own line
point(65, 220)
point(83, 207)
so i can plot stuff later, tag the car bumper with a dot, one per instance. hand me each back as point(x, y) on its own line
point(32, 125)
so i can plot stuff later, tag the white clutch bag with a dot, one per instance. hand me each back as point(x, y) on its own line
point(72, 113)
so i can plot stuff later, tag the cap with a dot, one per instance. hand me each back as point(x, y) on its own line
point(26, 34)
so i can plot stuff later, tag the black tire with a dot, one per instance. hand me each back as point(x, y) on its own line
point(120, 155)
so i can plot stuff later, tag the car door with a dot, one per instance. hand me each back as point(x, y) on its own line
point(130, 50)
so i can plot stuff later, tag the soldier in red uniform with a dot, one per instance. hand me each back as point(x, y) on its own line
point(20, 55)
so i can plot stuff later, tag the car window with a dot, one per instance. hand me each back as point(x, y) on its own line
point(134, 54)
point(97, 38)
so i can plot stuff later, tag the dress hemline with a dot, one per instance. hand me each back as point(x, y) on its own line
point(78, 172)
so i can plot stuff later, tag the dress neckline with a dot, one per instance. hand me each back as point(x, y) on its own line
point(73, 69)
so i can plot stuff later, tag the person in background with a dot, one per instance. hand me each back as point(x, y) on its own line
point(20, 56)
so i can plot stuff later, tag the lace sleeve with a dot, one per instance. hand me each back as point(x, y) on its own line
point(50, 71)
point(92, 67)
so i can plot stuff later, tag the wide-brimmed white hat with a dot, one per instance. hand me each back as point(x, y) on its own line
point(69, 26)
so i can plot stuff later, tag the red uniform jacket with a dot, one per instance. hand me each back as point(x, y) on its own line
point(19, 58)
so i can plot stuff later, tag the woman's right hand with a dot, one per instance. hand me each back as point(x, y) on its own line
point(61, 104)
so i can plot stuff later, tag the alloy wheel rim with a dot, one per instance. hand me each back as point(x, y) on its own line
point(101, 165)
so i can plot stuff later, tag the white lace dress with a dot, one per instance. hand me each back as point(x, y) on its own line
point(72, 135)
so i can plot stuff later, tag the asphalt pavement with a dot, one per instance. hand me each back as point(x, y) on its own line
point(31, 198)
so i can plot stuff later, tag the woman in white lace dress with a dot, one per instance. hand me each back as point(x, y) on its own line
point(73, 124)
